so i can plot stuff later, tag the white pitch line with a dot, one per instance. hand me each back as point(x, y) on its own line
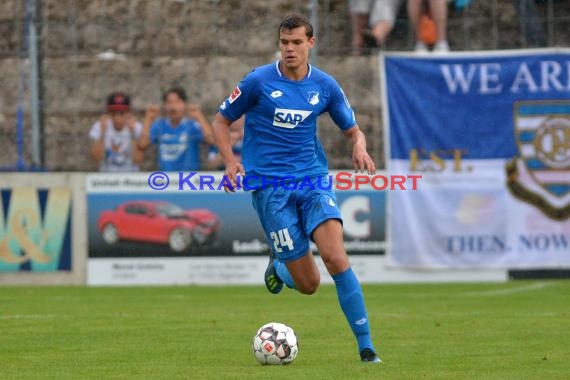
point(506, 292)
point(27, 316)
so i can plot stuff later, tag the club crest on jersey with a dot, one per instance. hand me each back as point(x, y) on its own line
point(330, 201)
point(540, 175)
point(313, 97)
point(289, 119)
point(236, 94)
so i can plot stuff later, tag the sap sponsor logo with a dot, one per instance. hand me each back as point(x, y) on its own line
point(236, 94)
point(286, 118)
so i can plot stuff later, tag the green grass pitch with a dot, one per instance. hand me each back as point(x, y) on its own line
point(515, 330)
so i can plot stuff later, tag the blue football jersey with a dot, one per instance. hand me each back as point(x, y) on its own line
point(280, 129)
point(178, 147)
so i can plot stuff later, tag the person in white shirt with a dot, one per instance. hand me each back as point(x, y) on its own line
point(115, 137)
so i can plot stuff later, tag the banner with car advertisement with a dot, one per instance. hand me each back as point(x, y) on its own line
point(490, 134)
point(192, 233)
point(35, 232)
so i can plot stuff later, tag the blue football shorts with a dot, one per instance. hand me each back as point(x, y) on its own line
point(289, 215)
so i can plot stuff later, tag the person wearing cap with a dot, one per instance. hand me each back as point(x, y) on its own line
point(115, 136)
point(179, 134)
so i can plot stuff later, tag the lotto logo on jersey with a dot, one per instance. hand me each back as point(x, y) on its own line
point(285, 118)
point(234, 95)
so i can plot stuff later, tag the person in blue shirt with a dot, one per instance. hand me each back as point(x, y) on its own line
point(286, 166)
point(179, 134)
point(215, 161)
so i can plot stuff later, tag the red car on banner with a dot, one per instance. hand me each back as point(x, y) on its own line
point(159, 222)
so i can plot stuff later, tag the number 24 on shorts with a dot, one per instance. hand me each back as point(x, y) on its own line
point(281, 239)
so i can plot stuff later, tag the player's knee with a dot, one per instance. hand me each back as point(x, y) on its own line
point(310, 285)
point(309, 289)
point(336, 263)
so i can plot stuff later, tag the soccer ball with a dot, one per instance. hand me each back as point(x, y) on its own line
point(275, 343)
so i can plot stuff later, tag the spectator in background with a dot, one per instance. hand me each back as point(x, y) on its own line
point(115, 136)
point(531, 27)
point(359, 15)
point(215, 161)
point(437, 10)
point(372, 21)
point(382, 19)
point(179, 134)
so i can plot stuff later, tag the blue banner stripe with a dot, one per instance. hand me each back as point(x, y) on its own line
point(544, 109)
point(526, 136)
point(559, 190)
point(535, 163)
point(468, 103)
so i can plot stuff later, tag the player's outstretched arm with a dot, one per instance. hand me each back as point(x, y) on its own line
point(361, 160)
point(221, 129)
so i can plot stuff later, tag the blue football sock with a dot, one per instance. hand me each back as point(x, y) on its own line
point(283, 273)
point(352, 303)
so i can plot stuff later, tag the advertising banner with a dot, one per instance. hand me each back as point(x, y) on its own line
point(35, 232)
point(137, 233)
point(490, 135)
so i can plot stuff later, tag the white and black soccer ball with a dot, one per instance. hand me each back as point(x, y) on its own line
point(275, 343)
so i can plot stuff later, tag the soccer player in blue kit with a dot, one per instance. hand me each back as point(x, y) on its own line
point(285, 164)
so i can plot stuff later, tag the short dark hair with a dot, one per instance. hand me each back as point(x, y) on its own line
point(179, 91)
point(294, 21)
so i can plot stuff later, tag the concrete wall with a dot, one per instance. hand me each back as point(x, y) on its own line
point(206, 46)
